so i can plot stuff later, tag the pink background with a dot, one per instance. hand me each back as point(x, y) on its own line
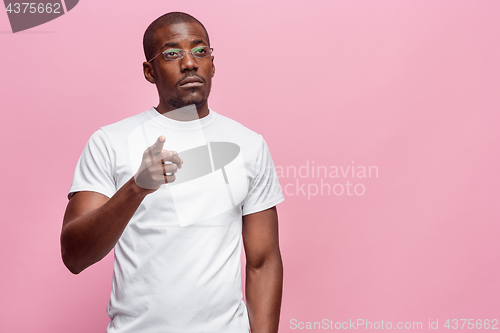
point(411, 87)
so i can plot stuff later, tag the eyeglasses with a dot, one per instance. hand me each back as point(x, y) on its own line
point(176, 54)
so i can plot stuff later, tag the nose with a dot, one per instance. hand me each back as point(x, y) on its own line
point(188, 62)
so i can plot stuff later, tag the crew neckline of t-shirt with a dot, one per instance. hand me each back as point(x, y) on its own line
point(182, 125)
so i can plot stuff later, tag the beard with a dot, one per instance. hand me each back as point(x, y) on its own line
point(178, 102)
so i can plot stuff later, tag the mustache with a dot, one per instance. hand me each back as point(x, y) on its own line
point(191, 75)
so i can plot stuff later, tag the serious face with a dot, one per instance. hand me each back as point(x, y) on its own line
point(184, 81)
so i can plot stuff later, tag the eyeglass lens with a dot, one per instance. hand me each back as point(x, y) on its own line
point(198, 52)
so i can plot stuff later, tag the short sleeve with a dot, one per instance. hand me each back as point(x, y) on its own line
point(265, 191)
point(94, 171)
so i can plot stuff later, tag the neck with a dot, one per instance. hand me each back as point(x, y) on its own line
point(187, 113)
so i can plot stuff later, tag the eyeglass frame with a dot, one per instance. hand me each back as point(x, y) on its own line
point(183, 54)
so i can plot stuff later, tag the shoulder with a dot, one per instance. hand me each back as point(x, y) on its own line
point(125, 125)
point(115, 134)
point(236, 130)
point(252, 145)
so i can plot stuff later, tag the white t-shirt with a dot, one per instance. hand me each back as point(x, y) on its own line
point(177, 264)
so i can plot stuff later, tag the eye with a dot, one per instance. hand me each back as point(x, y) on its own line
point(200, 50)
point(171, 54)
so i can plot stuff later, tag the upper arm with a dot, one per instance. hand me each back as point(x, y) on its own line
point(260, 237)
point(82, 203)
point(95, 170)
point(264, 190)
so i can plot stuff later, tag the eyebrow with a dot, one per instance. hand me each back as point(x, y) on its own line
point(193, 43)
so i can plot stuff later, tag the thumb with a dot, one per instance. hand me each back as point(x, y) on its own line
point(158, 145)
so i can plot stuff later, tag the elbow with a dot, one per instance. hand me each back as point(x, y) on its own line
point(69, 259)
point(70, 264)
point(73, 268)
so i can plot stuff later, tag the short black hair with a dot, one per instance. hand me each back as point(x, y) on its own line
point(148, 41)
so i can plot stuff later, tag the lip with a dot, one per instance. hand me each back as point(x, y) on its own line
point(192, 84)
point(191, 81)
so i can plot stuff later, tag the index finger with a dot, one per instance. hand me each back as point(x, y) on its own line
point(158, 145)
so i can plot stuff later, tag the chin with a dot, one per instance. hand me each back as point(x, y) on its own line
point(178, 103)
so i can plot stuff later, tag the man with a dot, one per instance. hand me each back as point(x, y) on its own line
point(174, 219)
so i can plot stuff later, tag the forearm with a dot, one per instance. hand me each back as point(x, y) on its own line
point(88, 238)
point(263, 295)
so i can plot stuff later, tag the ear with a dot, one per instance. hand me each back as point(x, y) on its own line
point(149, 72)
point(213, 67)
